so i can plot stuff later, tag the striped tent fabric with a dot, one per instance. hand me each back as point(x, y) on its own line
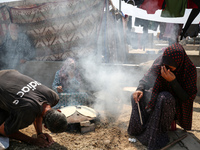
point(61, 29)
point(4, 22)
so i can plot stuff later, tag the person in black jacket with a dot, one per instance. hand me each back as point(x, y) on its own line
point(24, 101)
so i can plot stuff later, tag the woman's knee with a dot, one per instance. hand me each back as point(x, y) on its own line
point(166, 97)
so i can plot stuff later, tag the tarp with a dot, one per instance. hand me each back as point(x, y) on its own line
point(4, 22)
point(60, 29)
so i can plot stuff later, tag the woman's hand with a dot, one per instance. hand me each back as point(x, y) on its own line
point(167, 74)
point(137, 95)
point(59, 89)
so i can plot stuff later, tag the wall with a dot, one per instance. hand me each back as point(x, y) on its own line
point(42, 71)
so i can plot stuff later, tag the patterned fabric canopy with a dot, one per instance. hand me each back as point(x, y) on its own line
point(61, 29)
point(4, 22)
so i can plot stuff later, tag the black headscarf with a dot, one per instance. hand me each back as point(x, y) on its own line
point(186, 76)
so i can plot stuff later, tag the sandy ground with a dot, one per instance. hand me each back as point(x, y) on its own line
point(110, 133)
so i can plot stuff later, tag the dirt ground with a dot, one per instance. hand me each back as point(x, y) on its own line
point(110, 133)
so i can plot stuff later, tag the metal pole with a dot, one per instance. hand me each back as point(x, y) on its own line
point(119, 5)
point(105, 53)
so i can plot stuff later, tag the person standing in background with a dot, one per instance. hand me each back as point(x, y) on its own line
point(17, 48)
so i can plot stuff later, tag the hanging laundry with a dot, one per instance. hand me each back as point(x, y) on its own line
point(195, 5)
point(151, 25)
point(141, 22)
point(138, 2)
point(152, 5)
point(134, 2)
point(170, 8)
point(170, 32)
point(174, 8)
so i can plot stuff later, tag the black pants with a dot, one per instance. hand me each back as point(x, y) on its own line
point(153, 133)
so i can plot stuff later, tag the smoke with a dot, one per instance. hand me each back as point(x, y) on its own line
point(107, 81)
point(16, 48)
point(78, 34)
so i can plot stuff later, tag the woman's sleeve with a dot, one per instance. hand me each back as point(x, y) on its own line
point(146, 84)
point(179, 91)
point(141, 86)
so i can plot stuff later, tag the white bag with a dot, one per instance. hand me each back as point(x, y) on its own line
point(4, 142)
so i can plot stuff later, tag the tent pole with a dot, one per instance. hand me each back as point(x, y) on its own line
point(119, 5)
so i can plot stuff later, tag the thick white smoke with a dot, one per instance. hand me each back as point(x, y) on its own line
point(108, 81)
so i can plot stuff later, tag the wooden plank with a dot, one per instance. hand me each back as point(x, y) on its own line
point(187, 143)
point(174, 135)
point(191, 143)
point(174, 142)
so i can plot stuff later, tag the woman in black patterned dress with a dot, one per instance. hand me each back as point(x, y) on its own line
point(170, 86)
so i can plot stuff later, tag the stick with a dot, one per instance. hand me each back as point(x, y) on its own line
point(174, 142)
point(139, 113)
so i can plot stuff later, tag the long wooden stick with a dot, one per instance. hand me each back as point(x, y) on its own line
point(174, 142)
point(139, 113)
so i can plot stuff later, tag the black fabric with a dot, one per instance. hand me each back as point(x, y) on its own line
point(197, 2)
point(3, 115)
point(147, 24)
point(141, 87)
point(180, 92)
point(141, 22)
point(166, 60)
point(192, 31)
point(138, 2)
point(22, 97)
point(146, 98)
point(153, 132)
